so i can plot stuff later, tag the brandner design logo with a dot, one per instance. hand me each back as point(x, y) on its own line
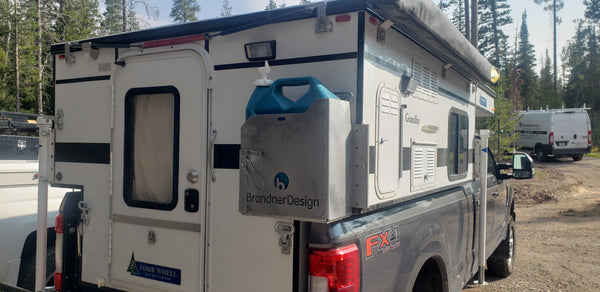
point(281, 181)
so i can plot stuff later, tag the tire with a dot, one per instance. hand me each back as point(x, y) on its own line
point(540, 155)
point(577, 157)
point(26, 278)
point(502, 261)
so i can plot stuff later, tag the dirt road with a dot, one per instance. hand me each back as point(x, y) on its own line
point(558, 230)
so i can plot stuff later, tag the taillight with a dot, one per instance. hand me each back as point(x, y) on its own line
point(589, 138)
point(58, 250)
point(57, 281)
point(551, 138)
point(335, 269)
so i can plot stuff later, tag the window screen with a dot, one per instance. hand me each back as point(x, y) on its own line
point(151, 147)
point(458, 145)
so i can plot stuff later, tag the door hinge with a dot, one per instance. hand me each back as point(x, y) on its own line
point(286, 232)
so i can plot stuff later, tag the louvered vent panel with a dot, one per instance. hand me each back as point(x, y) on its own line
point(424, 164)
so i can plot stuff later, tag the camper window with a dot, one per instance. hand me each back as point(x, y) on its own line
point(151, 144)
point(458, 129)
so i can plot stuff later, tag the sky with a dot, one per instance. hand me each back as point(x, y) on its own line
point(539, 22)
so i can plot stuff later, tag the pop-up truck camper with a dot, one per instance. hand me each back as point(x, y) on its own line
point(322, 147)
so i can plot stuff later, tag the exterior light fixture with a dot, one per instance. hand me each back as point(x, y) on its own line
point(260, 51)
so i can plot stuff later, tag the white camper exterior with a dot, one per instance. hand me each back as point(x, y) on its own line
point(151, 125)
point(555, 132)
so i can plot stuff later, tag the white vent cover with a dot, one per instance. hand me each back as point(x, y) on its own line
point(427, 88)
point(424, 163)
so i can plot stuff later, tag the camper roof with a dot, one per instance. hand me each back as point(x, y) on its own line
point(419, 20)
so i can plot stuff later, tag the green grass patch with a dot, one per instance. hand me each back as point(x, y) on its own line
point(594, 153)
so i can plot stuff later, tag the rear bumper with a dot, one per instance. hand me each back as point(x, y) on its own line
point(570, 151)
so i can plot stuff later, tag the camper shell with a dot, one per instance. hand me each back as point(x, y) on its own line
point(555, 132)
point(186, 185)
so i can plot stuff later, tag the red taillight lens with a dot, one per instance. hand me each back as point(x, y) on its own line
point(551, 138)
point(589, 138)
point(57, 281)
point(59, 223)
point(339, 268)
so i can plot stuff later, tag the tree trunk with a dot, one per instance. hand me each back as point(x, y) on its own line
point(39, 58)
point(124, 8)
point(495, 27)
point(555, 72)
point(474, 22)
point(61, 21)
point(467, 20)
point(17, 92)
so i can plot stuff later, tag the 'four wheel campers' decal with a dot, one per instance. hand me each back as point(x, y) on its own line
point(154, 272)
point(382, 242)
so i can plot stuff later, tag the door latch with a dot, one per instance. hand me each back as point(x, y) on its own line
point(85, 211)
point(286, 232)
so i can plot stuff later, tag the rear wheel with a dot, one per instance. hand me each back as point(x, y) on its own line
point(502, 261)
point(577, 157)
point(540, 155)
point(26, 278)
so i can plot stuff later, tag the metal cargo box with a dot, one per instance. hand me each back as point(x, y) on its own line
point(294, 165)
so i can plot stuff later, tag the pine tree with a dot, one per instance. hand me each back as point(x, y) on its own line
point(271, 5)
point(184, 11)
point(547, 96)
point(592, 10)
point(77, 20)
point(525, 65)
point(455, 11)
point(492, 40)
point(113, 20)
point(226, 9)
point(554, 6)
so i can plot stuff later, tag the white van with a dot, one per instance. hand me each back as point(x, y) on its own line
point(556, 133)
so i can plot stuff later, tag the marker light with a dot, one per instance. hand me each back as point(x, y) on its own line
point(261, 51)
point(494, 76)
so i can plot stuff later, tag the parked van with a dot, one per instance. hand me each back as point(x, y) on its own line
point(556, 133)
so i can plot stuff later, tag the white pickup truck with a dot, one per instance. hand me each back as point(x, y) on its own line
point(18, 215)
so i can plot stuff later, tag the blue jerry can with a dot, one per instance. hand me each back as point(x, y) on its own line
point(270, 99)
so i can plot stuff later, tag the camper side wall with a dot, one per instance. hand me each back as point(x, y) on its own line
point(420, 137)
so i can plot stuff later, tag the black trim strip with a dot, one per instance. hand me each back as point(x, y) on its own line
point(292, 61)
point(96, 153)
point(83, 79)
point(226, 156)
point(360, 66)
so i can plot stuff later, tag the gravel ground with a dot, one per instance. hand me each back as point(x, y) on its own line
point(558, 230)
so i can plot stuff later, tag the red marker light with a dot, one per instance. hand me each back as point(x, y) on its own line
point(343, 18)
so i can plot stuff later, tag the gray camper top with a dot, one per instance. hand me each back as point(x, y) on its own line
point(419, 20)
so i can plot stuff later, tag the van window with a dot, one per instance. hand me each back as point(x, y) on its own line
point(151, 147)
point(458, 150)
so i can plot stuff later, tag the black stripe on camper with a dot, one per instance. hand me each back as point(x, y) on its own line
point(83, 79)
point(291, 61)
point(96, 153)
point(227, 156)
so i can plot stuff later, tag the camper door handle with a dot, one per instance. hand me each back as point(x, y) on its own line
point(382, 140)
